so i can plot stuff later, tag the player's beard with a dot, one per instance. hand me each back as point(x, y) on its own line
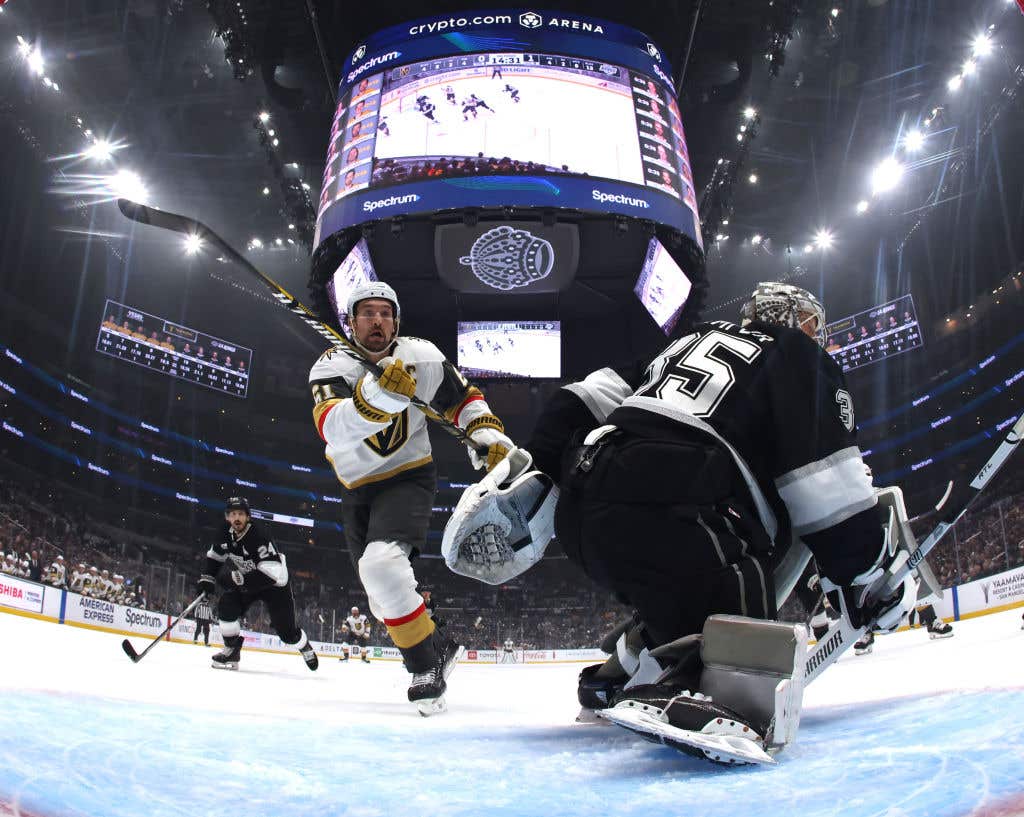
point(376, 340)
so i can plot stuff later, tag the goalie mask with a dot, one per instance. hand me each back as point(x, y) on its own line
point(495, 534)
point(787, 305)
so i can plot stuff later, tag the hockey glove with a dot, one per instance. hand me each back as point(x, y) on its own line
point(488, 430)
point(380, 399)
point(207, 585)
point(869, 601)
point(231, 578)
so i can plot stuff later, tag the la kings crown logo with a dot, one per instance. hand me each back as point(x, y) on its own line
point(505, 258)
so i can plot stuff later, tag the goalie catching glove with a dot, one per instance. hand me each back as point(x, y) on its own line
point(497, 533)
point(378, 399)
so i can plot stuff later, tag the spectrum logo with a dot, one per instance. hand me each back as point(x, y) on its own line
point(390, 201)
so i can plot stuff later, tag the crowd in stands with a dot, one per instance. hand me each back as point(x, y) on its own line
point(398, 171)
point(46, 536)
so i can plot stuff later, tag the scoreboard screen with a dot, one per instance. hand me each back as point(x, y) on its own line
point(510, 110)
point(874, 334)
point(163, 346)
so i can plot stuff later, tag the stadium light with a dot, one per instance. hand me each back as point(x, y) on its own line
point(955, 82)
point(886, 175)
point(101, 150)
point(125, 184)
point(823, 239)
point(970, 66)
point(256, 243)
point(756, 239)
point(808, 247)
point(264, 117)
point(193, 244)
point(35, 61)
point(752, 178)
point(913, 141)
point(862, 206)
point(982, 46)
point(266, 191)
point(749, 113)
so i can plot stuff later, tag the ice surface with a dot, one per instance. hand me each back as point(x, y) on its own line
point(918, 727)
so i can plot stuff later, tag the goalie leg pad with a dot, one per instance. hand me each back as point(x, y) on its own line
point(749, 700)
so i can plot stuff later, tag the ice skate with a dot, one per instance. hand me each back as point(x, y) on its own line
point(309, 656)
point(864, 645)
point(228, 657)
point(939, 629)
point(427, 688)
point(690, 722)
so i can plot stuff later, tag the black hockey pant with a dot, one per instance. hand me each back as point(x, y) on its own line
point(655, 522)
point(280, 604)
point(204, 628)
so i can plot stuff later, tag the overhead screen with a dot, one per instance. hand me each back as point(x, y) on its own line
point(510, 349)
point(662, 287)
point(874, 334)
point(170, 348)
point(355, 270)
point(527, 109)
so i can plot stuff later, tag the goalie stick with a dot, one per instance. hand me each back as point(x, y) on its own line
point(129, 650)
point(189, 226)
point(842, 634)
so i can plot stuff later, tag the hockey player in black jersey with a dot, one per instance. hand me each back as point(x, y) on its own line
point(249, 568)
point(682, 486)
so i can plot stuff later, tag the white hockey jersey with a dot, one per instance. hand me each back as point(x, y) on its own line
point(362, 451)
point(357, 625)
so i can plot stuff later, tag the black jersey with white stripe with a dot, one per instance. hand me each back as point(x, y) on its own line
point(252, 554)
point(775, 400)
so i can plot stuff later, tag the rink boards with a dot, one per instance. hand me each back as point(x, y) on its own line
point(992, 594)
point(47, 603)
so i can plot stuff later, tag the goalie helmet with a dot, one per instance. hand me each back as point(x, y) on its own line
point(774, 302)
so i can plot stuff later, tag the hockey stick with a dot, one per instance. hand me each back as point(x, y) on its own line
point(842, 634)
point(129, 650)
point(189, 226)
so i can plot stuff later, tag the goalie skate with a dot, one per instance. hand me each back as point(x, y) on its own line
point(715, 745)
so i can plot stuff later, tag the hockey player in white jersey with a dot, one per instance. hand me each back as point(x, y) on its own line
point(681, 484)
point(358, 633)
point(58, 573)
point(78, 578)
point(380, 451)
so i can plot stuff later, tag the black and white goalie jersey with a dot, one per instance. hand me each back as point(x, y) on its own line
point(249, 556)
point(773, 399)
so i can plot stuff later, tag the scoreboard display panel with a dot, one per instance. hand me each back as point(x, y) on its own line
point(170, 348)
point(874, 334)
point(512, 110)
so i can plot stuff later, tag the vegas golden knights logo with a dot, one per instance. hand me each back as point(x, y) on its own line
point(387, 441)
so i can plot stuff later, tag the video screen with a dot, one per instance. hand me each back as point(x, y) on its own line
point(874, 334)
point(158, 344)
point(510, 348)
point(505, 114)
point(355, 270)
point(662, 287)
